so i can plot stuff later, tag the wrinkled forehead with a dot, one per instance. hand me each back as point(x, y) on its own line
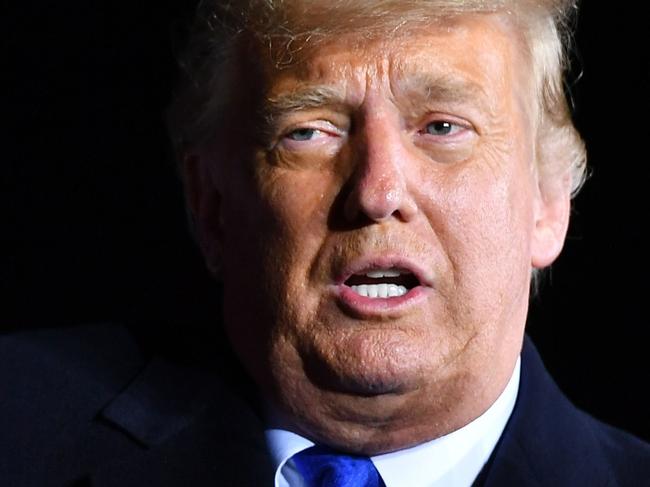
point(461, 53)
point(439, 56)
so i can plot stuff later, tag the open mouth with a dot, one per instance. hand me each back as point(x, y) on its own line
point(382, 283)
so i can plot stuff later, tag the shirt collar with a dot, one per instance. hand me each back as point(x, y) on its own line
point(452, 460)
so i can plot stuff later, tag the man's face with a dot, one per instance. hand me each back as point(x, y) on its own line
point(377, 244)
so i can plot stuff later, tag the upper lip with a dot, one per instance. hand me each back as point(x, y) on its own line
point(367, 263)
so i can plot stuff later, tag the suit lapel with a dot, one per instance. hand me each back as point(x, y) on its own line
point(191, 430)
point(547, 441)
point(158, 403)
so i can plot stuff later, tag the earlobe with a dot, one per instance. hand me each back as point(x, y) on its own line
point(204, 204)
point(552, 211)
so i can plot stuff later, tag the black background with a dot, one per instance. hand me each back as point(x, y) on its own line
point(93, 223)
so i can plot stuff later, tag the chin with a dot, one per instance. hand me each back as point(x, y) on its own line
point(367, 363)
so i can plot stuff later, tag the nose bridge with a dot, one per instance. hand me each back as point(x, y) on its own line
point(380, 185)
point(380, 161)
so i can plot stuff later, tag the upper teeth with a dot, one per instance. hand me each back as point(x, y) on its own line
point(377, 273)
point(380, 290)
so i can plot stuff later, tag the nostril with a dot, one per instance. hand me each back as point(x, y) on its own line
point(375, 205)
point(379, 202)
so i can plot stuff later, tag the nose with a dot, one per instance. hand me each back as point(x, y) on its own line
point(380, 182)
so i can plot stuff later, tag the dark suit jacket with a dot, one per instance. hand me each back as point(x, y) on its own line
point(82, 407)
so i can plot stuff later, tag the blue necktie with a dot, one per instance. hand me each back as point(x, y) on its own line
point(322, 467)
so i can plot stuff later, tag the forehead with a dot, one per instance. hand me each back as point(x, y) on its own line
point(473, 53)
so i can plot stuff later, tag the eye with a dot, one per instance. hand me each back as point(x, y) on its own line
point(302, 134)
point(446, 138)
point(442, 128)
point(311, 134)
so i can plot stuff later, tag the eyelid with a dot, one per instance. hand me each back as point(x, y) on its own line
point(445, 117)
point(320, 125)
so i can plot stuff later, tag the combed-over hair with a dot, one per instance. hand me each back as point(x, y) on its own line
point(288, 26)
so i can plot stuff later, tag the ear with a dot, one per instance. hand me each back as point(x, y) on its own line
point(203, 201)
point(552, 210)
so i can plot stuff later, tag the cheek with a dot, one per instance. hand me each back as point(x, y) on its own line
point(296, 202)
point(275, 212)
point(292, 216)
point(486, 230)
point(274, 227)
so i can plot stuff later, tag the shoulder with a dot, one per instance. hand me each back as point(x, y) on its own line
point(62, 371)
point(54, 383)
point(86, 404)
point(627, 456)
point(586, 448)
point(550, 442)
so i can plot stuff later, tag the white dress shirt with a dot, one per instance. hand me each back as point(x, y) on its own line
point(453, 460)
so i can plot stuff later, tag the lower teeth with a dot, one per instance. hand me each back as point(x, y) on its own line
point(379, 290)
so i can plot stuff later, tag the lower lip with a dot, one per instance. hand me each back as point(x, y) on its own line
point(364, 307)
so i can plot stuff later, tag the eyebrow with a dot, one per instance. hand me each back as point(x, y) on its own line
point(312, 96)
point(417, 89)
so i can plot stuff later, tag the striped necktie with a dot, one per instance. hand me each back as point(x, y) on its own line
point(322, 467)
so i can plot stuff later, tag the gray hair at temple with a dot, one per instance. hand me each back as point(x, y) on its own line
point(285, 28)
